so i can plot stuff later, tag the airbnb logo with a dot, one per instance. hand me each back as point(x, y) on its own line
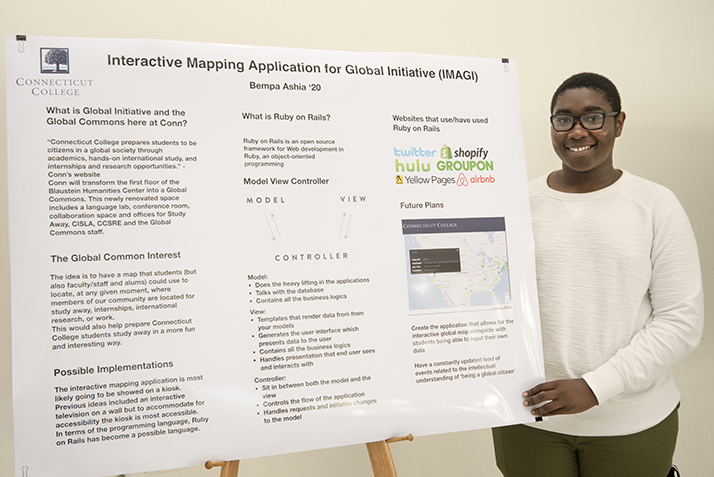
point(462, 181)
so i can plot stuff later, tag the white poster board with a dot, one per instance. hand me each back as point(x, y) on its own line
point(224, 252)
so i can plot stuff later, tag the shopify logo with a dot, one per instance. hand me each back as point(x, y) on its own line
point(476, 159)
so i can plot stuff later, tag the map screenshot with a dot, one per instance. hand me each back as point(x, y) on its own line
point(456, 264)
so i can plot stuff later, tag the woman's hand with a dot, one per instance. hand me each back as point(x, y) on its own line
point(564, 396)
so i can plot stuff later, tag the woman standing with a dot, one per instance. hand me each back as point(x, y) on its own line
point(620, 294)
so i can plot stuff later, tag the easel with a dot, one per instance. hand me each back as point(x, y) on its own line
point(379, 456)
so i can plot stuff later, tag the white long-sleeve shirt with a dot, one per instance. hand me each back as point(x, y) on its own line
point(620, 295)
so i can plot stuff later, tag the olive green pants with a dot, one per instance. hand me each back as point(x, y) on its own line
point(523, 451)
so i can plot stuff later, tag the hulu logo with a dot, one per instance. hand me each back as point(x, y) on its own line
point(412, 166)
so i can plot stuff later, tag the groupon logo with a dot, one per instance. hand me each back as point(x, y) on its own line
point(54, 60)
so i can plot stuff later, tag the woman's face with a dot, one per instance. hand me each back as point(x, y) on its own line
point(580, 149)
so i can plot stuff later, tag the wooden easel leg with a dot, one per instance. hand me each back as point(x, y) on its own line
point(228, 469)
point(381, 457)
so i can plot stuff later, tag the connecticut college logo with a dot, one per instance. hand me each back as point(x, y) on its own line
point(54, 60)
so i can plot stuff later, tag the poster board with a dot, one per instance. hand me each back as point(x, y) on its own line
point(233, 252)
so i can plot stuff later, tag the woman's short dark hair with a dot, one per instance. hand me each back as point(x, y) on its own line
point(592, 81)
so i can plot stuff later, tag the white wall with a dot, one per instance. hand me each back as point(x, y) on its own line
point(659, 53)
